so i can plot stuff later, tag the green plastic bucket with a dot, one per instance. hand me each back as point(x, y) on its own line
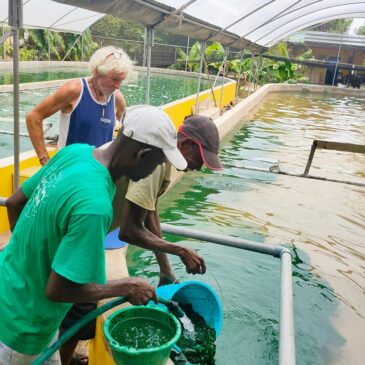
point(122, 325)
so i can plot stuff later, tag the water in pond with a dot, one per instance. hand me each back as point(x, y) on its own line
point(164, 89)
point(321, 222)
point(141, 333)
point(42, 74)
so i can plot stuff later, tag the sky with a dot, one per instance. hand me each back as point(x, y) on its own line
point(357, 22)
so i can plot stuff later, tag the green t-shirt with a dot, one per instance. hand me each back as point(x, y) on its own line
point(62, 227)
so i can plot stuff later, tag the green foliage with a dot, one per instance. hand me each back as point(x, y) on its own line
point(61, 45)
point(5, 47)
point(280, 49)
point(26, 54)
point(304, 80)
point(334, 26)
point(193, 57)
point(361, 30)
point(112, 27)
point(269, 71)
point(214, 52)
point(306, 55)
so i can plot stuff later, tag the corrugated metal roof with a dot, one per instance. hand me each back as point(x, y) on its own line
point(324, 38)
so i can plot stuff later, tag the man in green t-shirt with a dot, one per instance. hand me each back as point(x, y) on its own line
point(59, 219)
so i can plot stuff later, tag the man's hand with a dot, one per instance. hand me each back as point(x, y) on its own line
point(167, 278)
point(43, 160)
point(193, 262)
point(140, 291)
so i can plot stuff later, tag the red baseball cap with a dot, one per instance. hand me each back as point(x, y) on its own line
point(204, 133)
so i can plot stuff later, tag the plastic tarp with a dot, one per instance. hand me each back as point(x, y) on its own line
point(236, 23)
point(48, 14)
point(251, 24)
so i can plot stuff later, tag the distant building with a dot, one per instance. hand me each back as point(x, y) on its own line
point(347, 50)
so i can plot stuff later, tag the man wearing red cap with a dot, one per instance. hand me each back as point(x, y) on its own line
point(198, 141)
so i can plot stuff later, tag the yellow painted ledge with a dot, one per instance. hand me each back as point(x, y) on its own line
point(27, 166)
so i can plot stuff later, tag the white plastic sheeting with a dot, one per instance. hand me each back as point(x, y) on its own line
point(253, 24)
point(51, 15)
point(238, 23)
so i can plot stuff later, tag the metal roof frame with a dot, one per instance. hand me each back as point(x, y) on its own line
point(253, 24)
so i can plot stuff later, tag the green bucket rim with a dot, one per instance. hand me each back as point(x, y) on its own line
point(132, 351)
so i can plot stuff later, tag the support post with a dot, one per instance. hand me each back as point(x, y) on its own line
point(251, 74)
point(337, 60)
point(187, 54)
point(16, 22)
point(239, 76)
point(223, 78)
point(144, 47)
point(49, 44)
point(149, 36)
point(202, 53)
point(310, 158)
point(82, 47)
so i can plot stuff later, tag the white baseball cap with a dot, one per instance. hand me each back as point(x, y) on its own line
point(151, 125)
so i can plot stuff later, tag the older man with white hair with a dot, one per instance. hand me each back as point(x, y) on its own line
point(89, 107)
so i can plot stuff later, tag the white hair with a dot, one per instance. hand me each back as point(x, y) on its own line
point(104, 61)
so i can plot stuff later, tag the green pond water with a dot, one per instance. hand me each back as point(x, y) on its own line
point(164, 89)
point(42, 74)
point(322, 223)
point(141, 333)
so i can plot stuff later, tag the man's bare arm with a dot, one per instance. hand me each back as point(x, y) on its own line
point(14, 205)
point(136, 290)
point(63, 99)
point(152, 223)
point(134, 231)
point(120, 105)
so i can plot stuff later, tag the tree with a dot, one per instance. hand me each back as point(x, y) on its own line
point(113, 27)
point(334, 26)
point(361, 30)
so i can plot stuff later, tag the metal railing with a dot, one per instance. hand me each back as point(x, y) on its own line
point(286, 323)
point(320, 144)
point(335, 146)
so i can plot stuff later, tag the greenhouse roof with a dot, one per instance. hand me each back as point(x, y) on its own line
point(236, 23)
point(48, 14)
point(253, 24)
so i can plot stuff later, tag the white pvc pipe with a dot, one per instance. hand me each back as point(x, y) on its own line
point(286, 326)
